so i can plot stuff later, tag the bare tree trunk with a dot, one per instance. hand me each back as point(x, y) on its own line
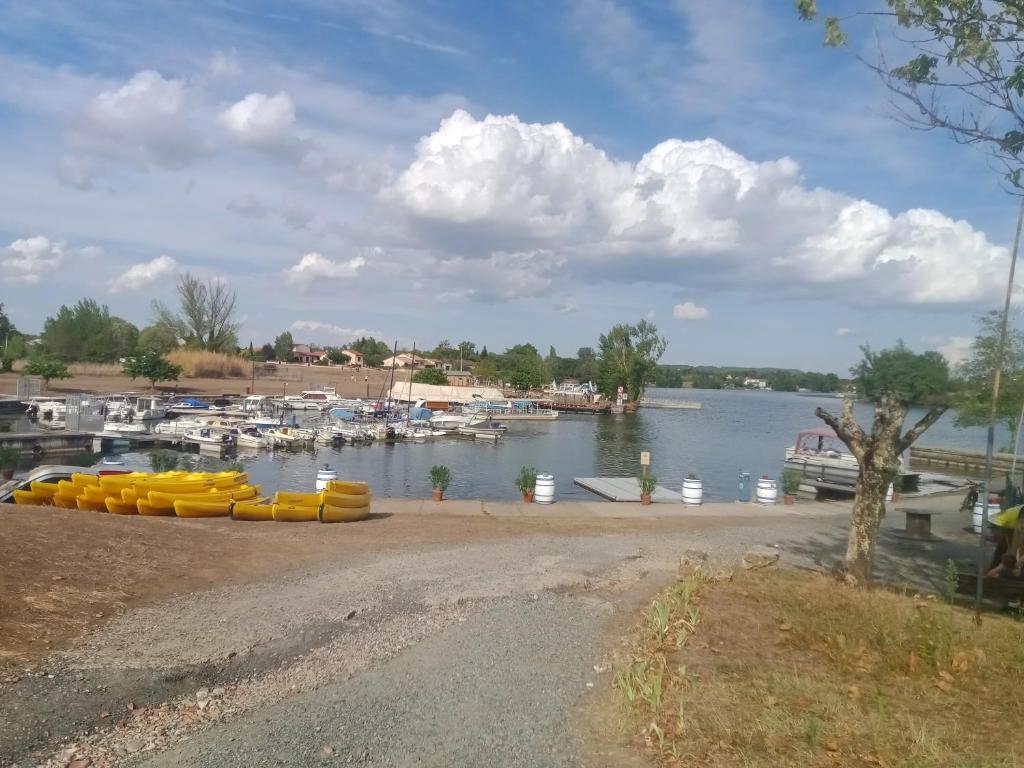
point(878, 455)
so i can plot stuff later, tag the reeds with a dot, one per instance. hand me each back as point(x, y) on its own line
point(200, 364)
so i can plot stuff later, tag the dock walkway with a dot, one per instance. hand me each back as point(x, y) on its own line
point(625, 489)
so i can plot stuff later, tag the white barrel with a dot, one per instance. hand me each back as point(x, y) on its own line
point(993, 510)
point(693, 492)
point(544, 491)
point(324, 476)
point(888, 493)
point(767, 490)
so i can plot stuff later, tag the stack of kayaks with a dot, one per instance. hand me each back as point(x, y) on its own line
point(343, 501)
point(199, 494)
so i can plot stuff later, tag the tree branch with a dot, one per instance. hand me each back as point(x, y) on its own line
point(845, 427)
point(926, 421)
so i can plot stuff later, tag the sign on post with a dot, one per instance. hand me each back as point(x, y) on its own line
point(645, 458)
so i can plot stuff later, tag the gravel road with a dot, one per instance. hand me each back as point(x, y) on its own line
point(476, 654)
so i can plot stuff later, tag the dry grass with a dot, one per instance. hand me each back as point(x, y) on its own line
point(95, 369)
point(199, 364)
point(791, 669)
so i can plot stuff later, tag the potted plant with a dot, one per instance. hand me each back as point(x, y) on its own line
point(440, 476)
point(790, 485)
point(8, 461)
point(648, 483)
point(526, 482)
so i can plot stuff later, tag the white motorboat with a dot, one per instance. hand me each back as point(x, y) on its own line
point(149, 408)
point(482, 433)
point(823, 461)
point(179, 426)
point(209, 436)
point(251, 437)
point(46, 409)
point(124, 427)
point(290, 435)
point(310, 400)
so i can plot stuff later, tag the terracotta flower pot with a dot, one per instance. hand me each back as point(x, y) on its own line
point(438, 494)
point(645, 499)
point(788, 498)
point(528, 497)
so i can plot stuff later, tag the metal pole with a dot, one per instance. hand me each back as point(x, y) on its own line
point(1016, 441)
point(991, 440)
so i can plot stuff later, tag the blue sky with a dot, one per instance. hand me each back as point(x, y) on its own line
point(501, 172)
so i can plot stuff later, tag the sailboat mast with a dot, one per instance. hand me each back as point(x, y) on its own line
point(412, 372)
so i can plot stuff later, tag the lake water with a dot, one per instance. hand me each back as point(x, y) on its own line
point(733, 431)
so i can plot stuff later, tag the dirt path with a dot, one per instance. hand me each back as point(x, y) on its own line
point(444, 641)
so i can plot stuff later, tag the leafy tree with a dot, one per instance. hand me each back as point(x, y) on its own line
point(523, 367)
point(965, 73)
point(587, 368)
point(268, 352)
point(207, 314)
point(443, 351)
point(336, 356)
point(283, 346)
point(47, 368)
point(484, 353)
point(430, 376)
point(87, 331)
point(894, 379)
point(156, 339)
point(6, 326)
point(629, 355)
point(486, 369)
point(468, 350)
point(374, 352)
point(152, 367)
point(975, 402)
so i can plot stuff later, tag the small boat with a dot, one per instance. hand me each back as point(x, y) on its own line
point(124, 426)
point(251, 437)
point(149, 408)
point(482, 433)
point(208, 436)
point(822, 460)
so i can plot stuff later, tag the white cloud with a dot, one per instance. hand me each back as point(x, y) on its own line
point(248, 206)
point(314, 266)
point(690, 311)
point(566, 307)
point(486, 184)
point(842, 332)
point(33, 259)
point(224, 64)
point(955, 349)
point(260, 119)
point(144, 274)
point(317, 331)
point(144, 122)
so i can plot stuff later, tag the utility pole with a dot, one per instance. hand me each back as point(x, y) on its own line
point(990, 443)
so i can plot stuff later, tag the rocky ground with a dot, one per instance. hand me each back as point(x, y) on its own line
point(475, 649)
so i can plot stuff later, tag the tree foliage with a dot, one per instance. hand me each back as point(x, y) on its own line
point(913, 379)
point(153, 367)
point(629, 356)
point(206, 316)
point(87, 331)
point(6, 326)
point(374, 352)
point(961, 69)
point(522, 367)
point(975, 377)
point(430, 376)
point(157, 339)
point(48, 369)
point(283, 346)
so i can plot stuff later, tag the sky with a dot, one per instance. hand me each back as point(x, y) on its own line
point(496, 172)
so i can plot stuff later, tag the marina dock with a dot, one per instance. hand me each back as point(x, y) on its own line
point(625, 489)
point(675, 405)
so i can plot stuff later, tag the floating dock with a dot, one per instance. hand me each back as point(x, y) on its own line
point(625, 489)
point(963, 461)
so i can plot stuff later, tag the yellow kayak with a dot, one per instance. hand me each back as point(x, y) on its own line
point(117, 507)
point(44, 489)
point(290, 498)
point(30, 498)
point(64, 502)
point(348, 486)
point(90, 506)
point(257, 509)
point(94, 494)
point(166, 499)
point(329, 514)
point(294, 513)
point(189, 508)
point(82, 479)
point(145, 508)
point(346, 499)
